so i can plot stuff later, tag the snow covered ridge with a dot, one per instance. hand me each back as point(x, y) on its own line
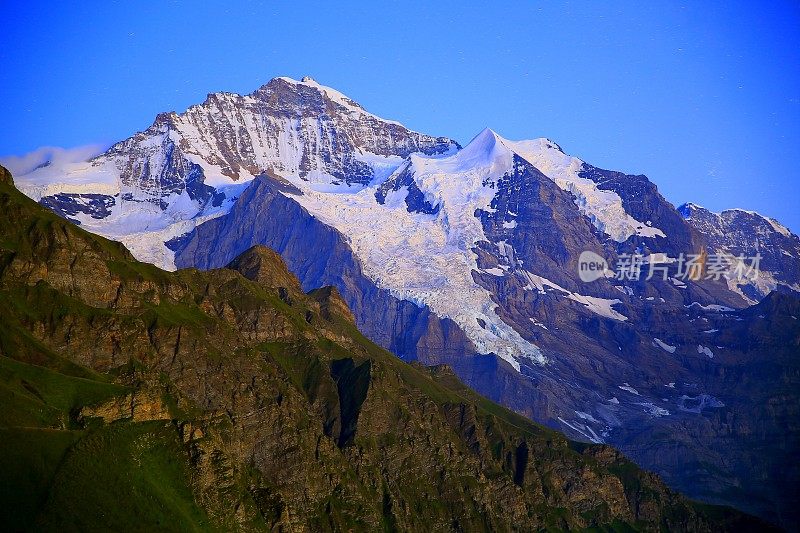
point(603, 207)
point(338, 97)
point(738, 232)
point(406, 202)
point(428, 258)
point(189, 167)
point(689, 208)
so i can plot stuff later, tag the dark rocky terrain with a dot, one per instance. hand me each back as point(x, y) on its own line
point(230, 399)
point(733, 442)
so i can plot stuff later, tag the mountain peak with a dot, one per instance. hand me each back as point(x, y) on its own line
point(332, 304)
point(329, 92)
point(489, 141)
point(486, 136)
point(686, 210)
point(485, 149)
point(265, 266)
point(754, 215)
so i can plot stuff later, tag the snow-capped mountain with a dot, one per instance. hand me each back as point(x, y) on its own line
point(738, 233)
point(470, 257)
point(187, 168)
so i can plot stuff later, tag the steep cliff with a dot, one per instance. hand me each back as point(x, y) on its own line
point(436, 276)
point(230, 399)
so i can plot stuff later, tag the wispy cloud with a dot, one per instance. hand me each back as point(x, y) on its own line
point(22, 164)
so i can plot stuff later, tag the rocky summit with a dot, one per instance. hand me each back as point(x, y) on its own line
point(471, 257)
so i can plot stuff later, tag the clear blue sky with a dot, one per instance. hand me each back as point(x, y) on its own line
point(703, 97)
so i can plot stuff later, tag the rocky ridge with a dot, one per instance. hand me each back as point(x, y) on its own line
point(736, 233)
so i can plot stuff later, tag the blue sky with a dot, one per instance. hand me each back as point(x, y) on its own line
point(703, 97)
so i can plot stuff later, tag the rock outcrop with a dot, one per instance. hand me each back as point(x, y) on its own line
point(736, 233)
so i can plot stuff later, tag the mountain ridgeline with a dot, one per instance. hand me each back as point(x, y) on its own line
point(469, 257)
point(232, 400)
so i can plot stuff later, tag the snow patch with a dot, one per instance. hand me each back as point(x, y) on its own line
point(696, 404)
point(663, 345)
point(599, 306)
point(705, 350)
point(711, 307)
point(584, 430)
point(654, 410)
point(537, 323)
point(587, 416)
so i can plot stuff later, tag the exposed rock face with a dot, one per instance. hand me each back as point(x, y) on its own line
point(641, 199)
point(285, 126)
point(221, 406)
point(332, 304)
point(599, 338)
point(97, 206)
point(533, 223)
point(415, 199)
point(736, 232)
point(187, 167)
point(265, 267)
point(465, 257)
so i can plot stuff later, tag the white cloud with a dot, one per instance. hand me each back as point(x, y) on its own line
point(20, 165)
